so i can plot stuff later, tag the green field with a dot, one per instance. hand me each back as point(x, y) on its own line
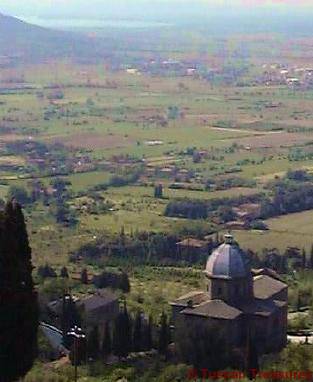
point(104, 115)
point(294, 230)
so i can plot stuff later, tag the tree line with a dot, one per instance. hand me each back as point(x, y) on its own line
point(292, 193)
point(106, 279)
point(125, 334)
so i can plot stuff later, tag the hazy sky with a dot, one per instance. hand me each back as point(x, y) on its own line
point(123, 8)
point(223, 16)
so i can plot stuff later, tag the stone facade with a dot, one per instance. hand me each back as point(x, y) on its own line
point(243, 305)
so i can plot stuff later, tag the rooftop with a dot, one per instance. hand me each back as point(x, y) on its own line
point(227, 261)
point(266, 272)
point(98, 300)
point(196, 298)
point(265, 287)
point(263, 308)
point(214, 309)
point(190, 242)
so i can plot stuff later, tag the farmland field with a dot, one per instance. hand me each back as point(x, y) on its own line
point(294, 230)
point(201, 139)
point(132, 151)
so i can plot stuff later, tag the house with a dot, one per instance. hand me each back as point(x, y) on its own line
point(242, 305)
point(99, 308)
point(235, 225)
point(95, 310)
point(192, 249)
point(248, 211)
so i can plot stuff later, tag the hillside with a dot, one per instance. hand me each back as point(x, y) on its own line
point(33, 43)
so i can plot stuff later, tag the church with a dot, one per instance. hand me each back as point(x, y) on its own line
point(240, 301)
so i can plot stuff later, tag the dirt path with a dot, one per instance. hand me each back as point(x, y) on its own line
point(256, 132)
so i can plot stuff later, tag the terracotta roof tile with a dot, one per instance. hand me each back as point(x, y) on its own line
point(196, 297)
point(102, 298)
point(214, 309)
point(265, 286)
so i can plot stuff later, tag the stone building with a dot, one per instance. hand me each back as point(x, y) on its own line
point(99, 308)
point(244, 304)
point(95, 310)
point(192, 249)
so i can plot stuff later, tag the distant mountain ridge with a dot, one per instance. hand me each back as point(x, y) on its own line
point(34, 43)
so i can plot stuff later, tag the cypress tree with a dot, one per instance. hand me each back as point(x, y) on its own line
point(80, 351)
point(252, 358)
point(127, 324)
point(303, 258)
point(93, 344)
point(299, 302)
point(18, 308)
point(164, 335)
point(311, 257)
point(117, 336)
point(147, 335)
point(46, 271)
point(64, 273)
point(84, 276)
point(217, 239)
point(124, 283)
point(137, 335)
point(158, 191)
point(69, 318)
point(107, 341)
point(122, 334)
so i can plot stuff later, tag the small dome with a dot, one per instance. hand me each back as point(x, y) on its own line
point(227, 261)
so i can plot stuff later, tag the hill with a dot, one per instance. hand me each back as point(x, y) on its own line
point(33, 43)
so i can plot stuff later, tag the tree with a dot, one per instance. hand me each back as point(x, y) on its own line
point(252, 358)
point(78, 351)
point(19, 307)
point(62, 214)
point(46, 271)
point(19, 194)
point(303, 258)
point(164, 335)
point(122, 334)
point(137, 334)
point(196, 157)
point(173, 112)
point(158, 191)
point(226, 213)
point(311, 258)
point(64, 273)
point(299, 302)
point(69, 318)
point(84, 277)
point(107, 341)
point(147, 335)
point(93, 344)
point(124, 283)
point(216, 239)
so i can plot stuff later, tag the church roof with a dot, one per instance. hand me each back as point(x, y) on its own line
point(265, 287)
point(214, 309)
point(263, 308)
point(194, 298)
point(266, 272)
point(227, 261)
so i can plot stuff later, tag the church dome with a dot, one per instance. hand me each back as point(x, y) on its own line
point(227, 261)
